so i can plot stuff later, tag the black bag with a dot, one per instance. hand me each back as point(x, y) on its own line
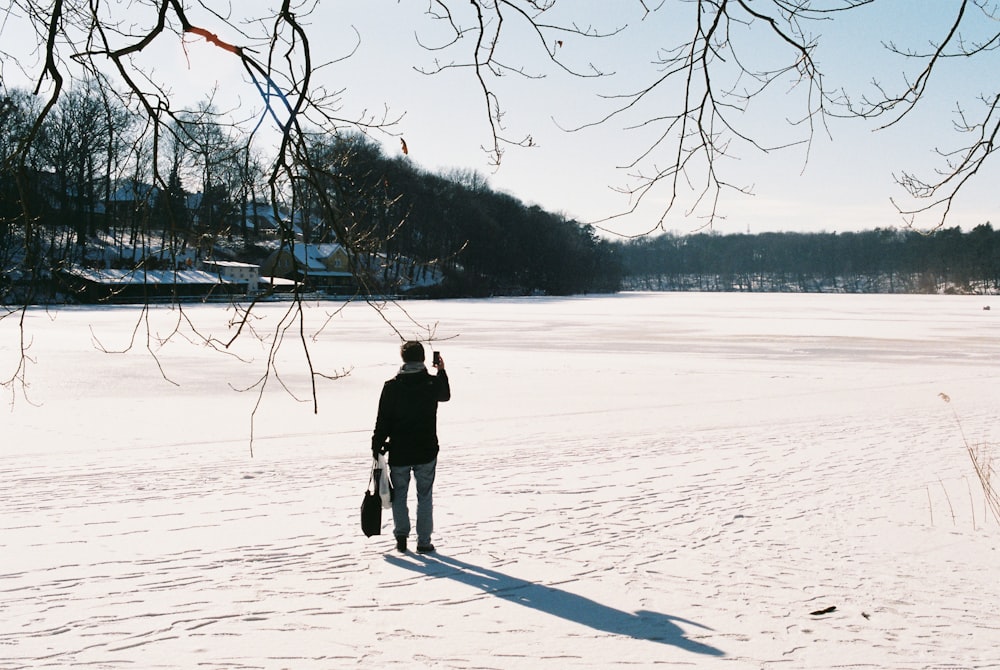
point(371, 510)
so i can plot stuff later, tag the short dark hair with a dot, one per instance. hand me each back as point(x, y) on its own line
point(412, 352)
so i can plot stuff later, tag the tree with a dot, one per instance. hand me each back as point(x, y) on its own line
point(213, 160)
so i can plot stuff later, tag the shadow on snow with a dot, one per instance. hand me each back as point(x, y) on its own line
point(641, 625)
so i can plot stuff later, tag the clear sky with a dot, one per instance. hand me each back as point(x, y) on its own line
point(844, 182)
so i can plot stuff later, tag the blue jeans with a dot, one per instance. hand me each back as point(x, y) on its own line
point(400, 477)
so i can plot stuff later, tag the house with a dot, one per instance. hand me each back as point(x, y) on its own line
point(246, 274)
point(129, 201)
point(259, 217)
point(319, 267)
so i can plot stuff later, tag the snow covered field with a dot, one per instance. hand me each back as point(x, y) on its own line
point(643, 480)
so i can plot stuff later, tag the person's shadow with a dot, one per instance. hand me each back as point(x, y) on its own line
point(641, 625)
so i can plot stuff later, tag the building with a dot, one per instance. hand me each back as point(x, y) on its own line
point(318, 267)
point(234, 272)
point(94, 286)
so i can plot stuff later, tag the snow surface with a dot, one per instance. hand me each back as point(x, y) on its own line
point(641, 480)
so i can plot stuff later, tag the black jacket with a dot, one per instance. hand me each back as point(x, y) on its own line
point(407, 416)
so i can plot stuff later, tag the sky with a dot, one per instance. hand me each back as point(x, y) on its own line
point(671, 480)
point(844, 180)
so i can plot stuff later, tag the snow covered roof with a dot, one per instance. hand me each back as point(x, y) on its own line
point(229, 264)
point(134, 277)
point(311, 256)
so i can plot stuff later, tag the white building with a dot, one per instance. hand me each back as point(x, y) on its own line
point(235, 272)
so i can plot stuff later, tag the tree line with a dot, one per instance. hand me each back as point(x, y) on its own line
point(92, 174)
point(884, 260)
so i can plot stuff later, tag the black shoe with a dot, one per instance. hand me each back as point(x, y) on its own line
point(425, 548)
point(401, 545)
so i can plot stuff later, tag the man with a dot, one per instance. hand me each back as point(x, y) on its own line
point(406, 428)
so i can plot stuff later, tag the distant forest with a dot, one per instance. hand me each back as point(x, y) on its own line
point(89, 178)
point(878, 261)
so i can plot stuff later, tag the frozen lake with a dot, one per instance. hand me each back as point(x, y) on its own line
point(641, 480)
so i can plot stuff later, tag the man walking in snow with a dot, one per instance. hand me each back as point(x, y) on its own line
point(406, 428)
